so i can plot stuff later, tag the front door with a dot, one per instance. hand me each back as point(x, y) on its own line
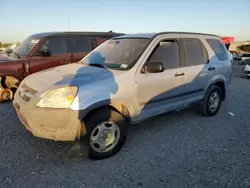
point(59, 54)
point(161, 92)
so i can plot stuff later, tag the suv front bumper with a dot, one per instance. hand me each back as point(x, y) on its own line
point(48, 123)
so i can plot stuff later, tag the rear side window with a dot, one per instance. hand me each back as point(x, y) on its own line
point(167, 52)
point(195, 52)
point(93, 44)
point(218, 48)
point(80, 44)
point(56, 45)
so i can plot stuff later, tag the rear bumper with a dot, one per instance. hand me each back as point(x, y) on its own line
point(47, 123)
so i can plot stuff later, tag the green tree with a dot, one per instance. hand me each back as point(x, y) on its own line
point(1, 44)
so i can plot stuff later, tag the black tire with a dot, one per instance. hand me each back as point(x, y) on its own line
point(204, 108)
point(105, 114)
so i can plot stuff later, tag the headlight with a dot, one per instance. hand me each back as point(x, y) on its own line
point(58, 98)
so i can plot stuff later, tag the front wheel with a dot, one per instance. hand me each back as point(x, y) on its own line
point(106, 133)
point(212, 101)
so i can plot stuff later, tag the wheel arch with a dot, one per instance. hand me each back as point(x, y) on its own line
point(116, 106)
point(221, 85)
point(220, 82)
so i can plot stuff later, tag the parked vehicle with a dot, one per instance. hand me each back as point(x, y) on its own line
point(125, 80)
point(10, 49)
point(2, 51)
point(247, 69)
point(244, 58)
point(45, 50)
point(236, 57)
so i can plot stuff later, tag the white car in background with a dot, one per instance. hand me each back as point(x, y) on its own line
point(247, 70)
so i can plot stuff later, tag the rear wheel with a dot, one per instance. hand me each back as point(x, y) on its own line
point(106, 133)
point(212, 101)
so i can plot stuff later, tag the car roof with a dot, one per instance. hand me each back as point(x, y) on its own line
point(87, 33)
point(153, 35)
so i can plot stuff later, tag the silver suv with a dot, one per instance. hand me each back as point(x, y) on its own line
point(125, 80)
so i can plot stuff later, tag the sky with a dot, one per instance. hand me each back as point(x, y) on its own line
point(21, 18)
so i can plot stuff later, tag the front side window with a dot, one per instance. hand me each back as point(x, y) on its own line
point(167, 52)
point(119, 54)
point(56, 46)
point(26, 46)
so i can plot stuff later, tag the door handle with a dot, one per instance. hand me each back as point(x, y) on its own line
point(179, 74)
point(211, 68)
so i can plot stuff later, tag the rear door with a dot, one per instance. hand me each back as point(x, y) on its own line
point(59, 54)
point(197, 69)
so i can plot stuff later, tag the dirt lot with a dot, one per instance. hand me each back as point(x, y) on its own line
point(175, 150)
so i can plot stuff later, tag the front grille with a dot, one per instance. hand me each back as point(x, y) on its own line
point(26, 93)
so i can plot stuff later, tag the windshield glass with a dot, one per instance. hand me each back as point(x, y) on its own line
point(119, 54)
point(26, 46)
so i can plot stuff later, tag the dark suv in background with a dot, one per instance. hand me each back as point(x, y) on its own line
point(46, 50)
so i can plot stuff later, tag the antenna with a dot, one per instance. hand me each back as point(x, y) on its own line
point(68, 23)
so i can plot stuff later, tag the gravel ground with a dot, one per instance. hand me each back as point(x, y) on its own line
point(181, 149)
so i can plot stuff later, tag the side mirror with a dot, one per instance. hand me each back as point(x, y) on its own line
point(45, 52)
point(154, 67)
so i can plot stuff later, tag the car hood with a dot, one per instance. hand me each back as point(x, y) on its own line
point(75, 74)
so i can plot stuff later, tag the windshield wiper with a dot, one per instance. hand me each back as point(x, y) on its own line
point(18, 56)
point(97, 65)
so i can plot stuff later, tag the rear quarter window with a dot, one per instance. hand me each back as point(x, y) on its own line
point(218, 48)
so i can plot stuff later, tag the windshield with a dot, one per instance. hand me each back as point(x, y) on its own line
point(119, 54)
point(26, 46)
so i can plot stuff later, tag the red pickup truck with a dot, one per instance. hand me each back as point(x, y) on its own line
point(45, 50)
